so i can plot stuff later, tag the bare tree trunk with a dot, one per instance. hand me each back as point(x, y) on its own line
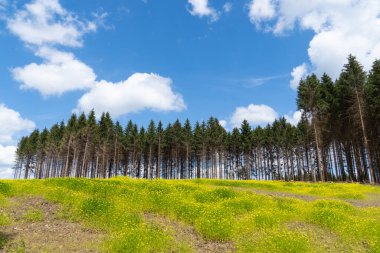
point(149, 162)
point(198, 167)
point(115, 162)
point(65, 171)
point(75, 162)
point(335, 163)
point(158, 164)
point(366, 145)
point(84, 157)
point(97, 167)
point(358, 164)
point(104, 162)
point(341, 164)
point(292, 165)
point(319, 160)
point(187, 161)
point(279, 172)
point(27, 167)
point(348, 153)
point(203, 160)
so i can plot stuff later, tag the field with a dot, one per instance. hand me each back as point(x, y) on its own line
point(132, 215)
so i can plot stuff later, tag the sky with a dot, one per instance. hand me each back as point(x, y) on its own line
point(168, 60)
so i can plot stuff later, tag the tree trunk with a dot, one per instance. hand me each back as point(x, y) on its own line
point(64, 173)
point(158, 164)
point(319, 160)
point(366, 145)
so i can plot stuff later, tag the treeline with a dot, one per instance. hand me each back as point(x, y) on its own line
point(337, 139)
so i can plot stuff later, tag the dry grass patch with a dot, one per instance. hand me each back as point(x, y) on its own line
point(36, 228)
point(186, 234)
point(325, 240)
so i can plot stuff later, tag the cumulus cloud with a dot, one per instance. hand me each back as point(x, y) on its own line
point(223, 123)
point(340, 27)
point(254, 114)
point(139, 92)
point(201, 8)
point(43, 25)
point(258, 115)
point(227, 7)
point(47, 22)
point(294, 118)
point(7, 155)
point(298, 73)
point(6, 172)
point(11, 126)
point(60, 72)
point(3, 4)
point(261, 10)
point(7, 159)
point(11, 123)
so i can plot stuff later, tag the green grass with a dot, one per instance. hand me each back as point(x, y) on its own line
point(343, 191)
point(4, 219)
point(219, 210)
point(33, 215)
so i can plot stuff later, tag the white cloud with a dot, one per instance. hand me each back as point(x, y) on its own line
point(7, 159)
point(258, 115)
point(11, 123)
point(11, 126)
point(201, 8)
point(43, 25)
point(60, 72)
point(6, 172)
point(223, 123)
point(47, 22)
point(254, 114)
point(298, 73)
point(3, 4)
point(261, 10)
point(7, 155)
point(139, 92)
point(227, 7)
point(340, 27)
point(294, 118)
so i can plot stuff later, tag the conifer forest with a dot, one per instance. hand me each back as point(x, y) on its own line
point(337, 139)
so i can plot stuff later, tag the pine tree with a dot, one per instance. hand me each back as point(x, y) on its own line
point(151, 140)
point(187, 142)
point(308, 101)
point(246, 145)
point(372, 95)
point(354, 78)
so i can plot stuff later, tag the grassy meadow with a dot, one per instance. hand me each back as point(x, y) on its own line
point(231, 216)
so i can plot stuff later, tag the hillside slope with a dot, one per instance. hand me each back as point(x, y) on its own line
point(131, 215)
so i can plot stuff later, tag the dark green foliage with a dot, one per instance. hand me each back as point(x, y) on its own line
point(215, 195)
point(5, 189)
point(96, 207)
point(331, 214)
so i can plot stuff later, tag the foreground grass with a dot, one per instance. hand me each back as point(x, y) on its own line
point(218, 210)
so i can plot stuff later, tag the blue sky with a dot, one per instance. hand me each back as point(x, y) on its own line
point(213, 65)
point(165, 60)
